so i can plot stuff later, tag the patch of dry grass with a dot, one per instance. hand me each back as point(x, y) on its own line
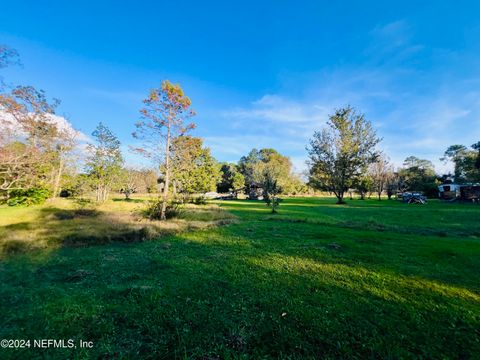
point(64, 222)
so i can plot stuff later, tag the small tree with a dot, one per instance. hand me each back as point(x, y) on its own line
point(129, 181)
point(338, 154)
point(194, 170)
point(163, 120)
point(271, 190)
point(363, 184)
point(380, 171)
point(104, 163)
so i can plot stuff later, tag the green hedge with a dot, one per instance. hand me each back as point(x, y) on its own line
point(27, 197)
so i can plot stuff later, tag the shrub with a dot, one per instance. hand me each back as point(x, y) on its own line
point(154, 209)
point(27, 197)
point(197, 200)
point(271, 189)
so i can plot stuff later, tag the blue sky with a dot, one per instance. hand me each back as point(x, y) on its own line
point(260, 73)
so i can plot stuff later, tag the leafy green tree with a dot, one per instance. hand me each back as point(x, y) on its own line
point(364, 184)
point(254, 165)
point(231, 178)
point(419, 175)
point(247, 164)
point(238, 181)
point(466, 162)
point(271, 190)
point(194, 170)
point(339, 153)
point(164, 119)
point(104, 162)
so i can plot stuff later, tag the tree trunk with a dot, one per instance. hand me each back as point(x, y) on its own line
point(98, 193)
point(56, 186)
point(163, 212)
point(105, 193)
point(101, 193)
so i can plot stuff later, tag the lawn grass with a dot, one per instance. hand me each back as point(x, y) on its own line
point(371, 279)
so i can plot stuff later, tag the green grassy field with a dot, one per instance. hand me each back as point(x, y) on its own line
point(371, 279)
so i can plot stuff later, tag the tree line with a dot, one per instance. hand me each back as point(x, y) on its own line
point(345, 157)
point(40, 157)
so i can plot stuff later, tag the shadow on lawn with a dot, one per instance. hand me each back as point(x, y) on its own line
point(186, 296)
point(136, 201)
point(256, 289)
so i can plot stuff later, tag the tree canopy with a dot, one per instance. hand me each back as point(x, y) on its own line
point(231, 178)
point(164, 119)
point(104, 163)
point(340, 153)
point(254, 165)
point(418, 175)
point(466, 162)
point(193, 167)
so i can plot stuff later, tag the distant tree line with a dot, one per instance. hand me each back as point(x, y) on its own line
point(344, 158)
point(40, 157)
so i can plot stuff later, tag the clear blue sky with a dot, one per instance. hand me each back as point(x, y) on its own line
point(260, 73)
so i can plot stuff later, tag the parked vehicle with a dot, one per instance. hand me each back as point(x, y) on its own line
point(459, 192)
point(412, 197)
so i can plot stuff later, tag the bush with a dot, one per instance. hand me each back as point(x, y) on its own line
point(27, 197)
point(154, 209)
point(196, 200)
